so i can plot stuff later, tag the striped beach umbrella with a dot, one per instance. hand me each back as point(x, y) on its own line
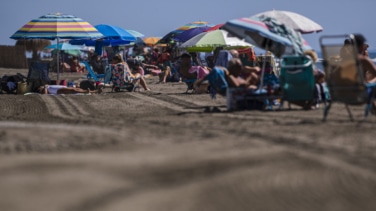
point(57, 26)
point(192, 25)
point(257, 32)
point(168, 38)
point(188, 34)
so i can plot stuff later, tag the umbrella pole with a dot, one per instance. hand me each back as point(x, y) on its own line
point(26, 61)
point(263, 70)
point(57, 58)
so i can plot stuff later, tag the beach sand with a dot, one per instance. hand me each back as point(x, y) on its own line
point(167, 150)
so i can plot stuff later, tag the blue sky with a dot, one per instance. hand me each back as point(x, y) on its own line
point(157, 18)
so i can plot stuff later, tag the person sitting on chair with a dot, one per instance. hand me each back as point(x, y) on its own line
point(368, 67)
point(135, 72)
point(96, 63)
point(233, 76)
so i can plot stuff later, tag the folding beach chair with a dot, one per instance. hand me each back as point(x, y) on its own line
point(121, 79)
point(247, 99)
point(264, 97)
point(297, 80)
point(344, 76)
point(91, 74)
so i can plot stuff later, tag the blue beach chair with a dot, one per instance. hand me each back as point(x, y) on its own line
point(91, 74)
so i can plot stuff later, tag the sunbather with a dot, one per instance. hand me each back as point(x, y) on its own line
point(60, 89)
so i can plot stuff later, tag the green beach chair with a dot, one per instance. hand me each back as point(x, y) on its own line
point(297, 80)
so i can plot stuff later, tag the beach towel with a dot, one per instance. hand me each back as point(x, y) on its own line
point(223, 57)
point(217, 82)
point(201, 72)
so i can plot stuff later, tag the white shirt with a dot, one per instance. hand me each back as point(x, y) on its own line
point(52, 89)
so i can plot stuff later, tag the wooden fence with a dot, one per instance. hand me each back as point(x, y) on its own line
point(13, 57)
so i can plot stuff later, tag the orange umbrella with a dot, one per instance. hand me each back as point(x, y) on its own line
point(151, 41)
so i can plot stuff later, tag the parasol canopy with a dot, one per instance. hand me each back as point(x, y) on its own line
point(135, 33)
point(216, 27)
point(208, 41)
point(66, 47)
point(151, 41)
point(112, 35)
point(292, 20)
point(188, 34)
point(169, 38)
point(54, 26)
point(63, 46)
point(258, 33)
point(57, 26)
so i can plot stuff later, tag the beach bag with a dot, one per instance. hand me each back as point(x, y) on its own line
point(217, 81)
point(86, 84)
point(9, 84)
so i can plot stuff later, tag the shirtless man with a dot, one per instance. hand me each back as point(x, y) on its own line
point(233, 75)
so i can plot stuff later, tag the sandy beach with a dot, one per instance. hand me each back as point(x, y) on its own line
point(167, 150)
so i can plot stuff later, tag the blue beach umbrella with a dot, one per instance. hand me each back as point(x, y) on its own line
point(135, 33)
point(64, 46)
point(112, 35)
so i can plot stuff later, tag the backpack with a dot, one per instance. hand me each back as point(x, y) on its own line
point(217, 81)
point(86, 84)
